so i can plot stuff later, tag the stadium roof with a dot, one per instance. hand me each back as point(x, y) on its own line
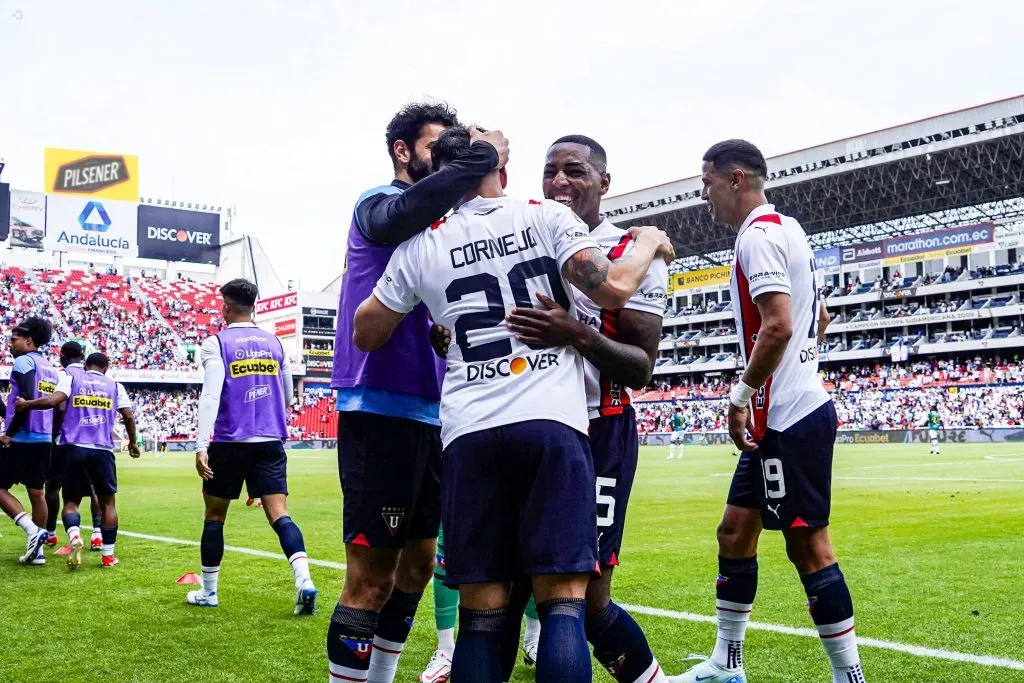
point(955, 169)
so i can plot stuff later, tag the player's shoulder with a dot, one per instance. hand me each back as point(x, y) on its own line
point(24, 363)
point(382, 190)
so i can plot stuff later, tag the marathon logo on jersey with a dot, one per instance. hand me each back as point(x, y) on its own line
point(93, 420)
point(508, 367)
point(44, 387)
point(244, 368)
point(101, 402)
point(393, 518)
point(91, 174)
point(257, 392)
point(483, 250)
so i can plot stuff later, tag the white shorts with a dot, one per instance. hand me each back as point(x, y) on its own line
point(677, 437)
point(933, 434)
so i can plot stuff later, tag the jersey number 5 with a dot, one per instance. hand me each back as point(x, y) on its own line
point(495, 313)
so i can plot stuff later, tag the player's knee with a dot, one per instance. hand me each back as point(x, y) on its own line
point(416, 569)
point(368, 591)
point(731, 538)
point(810, 552)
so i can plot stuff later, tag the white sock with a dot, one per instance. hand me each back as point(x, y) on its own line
point(73, 533)
point(653, 674)
point(680, 451)
point(97, 533)
point(732, 630)
point(300, 568)
point(24, 520)
point(840, 643)
point(446, 641)
point(671, 450)
point(384, 660)
point(108, 550)
point(532, 633)
point(210, 576)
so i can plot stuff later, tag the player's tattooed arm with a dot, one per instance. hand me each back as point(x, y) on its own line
point(587, 269)
point(628, 360)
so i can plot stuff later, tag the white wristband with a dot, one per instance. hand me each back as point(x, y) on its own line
point(741, 394)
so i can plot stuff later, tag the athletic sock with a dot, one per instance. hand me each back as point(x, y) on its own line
point(51, 518)
point(478, 648)
point(109, 540)
point(621, 647)
point(71, 525)
point(24, 520)
point(294, 547)
point(532, 634)
point(734, 591)
point(349, 644)
point(97, 520)
point(210, 576)
point(211, 545)
point(446, 611)
point(831, 608)
point(563, 656)
point(393, 626)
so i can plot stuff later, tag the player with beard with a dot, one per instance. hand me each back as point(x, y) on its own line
point(389, 448)
point(620, 347)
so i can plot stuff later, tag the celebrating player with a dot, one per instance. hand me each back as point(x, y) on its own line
point(91, 403)
point(27, 437)
point(246, 389)
point(783, 478)
point(389, 449)
point(517, 463)
point(71, 353)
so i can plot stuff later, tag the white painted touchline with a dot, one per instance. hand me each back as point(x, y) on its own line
point(916, 650)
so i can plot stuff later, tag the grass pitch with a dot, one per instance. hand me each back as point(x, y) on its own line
point(932, 547)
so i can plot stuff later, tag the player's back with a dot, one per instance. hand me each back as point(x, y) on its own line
point(470, 270)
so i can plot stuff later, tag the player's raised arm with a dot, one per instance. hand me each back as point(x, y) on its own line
point(610, 285)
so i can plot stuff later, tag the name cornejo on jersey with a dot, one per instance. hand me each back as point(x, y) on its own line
point(497, 247)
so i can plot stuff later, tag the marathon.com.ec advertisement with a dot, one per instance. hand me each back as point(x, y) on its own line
point(169, 234)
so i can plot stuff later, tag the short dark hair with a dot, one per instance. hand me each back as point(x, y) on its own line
point(730, 154)
point(97, 360)
point(240, 293)
point(408, 123)
point(451, 145)
point(598, 157)
point(72, 351)
point(39, 330)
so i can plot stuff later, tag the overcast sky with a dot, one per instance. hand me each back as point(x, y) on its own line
point(279, 108)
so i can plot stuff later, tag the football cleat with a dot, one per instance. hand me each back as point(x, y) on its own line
point(201, 598)
point(439, 670)
point(33, 546)
point(249, 502)
point(51, 540)
point(96, 543)
point(305, 599)
point(75, 553)
point(37, 560)
point(708, 671)
point(109, 561)
point(530, 654)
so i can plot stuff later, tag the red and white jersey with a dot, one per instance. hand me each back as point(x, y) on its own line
point(772, 255)
point(605, 397)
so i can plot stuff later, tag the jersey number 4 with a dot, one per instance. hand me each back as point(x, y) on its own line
point(542, 266)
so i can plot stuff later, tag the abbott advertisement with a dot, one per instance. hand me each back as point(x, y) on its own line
point(169, 234)
point(28, 219)
point(91, 174)
point(91, 225)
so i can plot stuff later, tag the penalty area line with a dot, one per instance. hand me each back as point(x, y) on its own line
point(915, 650)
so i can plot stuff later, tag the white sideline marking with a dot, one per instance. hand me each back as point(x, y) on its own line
point(1001, 458)
point(947, 479)
point(916, 650)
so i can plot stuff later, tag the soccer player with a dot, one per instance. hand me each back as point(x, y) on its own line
point(241, 435)
point(91, 402)
point(71, 353)
point(783, 478)
point(389, 449)
point(517, 463)
point(678, 424)
point(27, 436)
point(934, 424)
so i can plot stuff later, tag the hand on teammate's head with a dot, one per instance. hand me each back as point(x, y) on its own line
point(493, 137)
point(650, 232)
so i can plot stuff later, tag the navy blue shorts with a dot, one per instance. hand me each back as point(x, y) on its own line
point(390, 470)
point(24, 462)
point(88, 470)
point(262, 466)
point(789, 477)
point(518, 499)
point(58, 463)
point(615, 447)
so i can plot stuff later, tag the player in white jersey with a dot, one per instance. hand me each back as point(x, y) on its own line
point(783, 478)
point(514, 418)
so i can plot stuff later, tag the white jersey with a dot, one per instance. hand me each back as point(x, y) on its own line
point(605, 397)
point(491, 256)
point(772, 255)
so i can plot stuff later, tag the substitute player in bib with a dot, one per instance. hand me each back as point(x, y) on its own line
point(26, 439)
point(389, 449)
point(246, 390)
point(934, 425)
point(92, 401)
point(784, 475)
point(518, 485)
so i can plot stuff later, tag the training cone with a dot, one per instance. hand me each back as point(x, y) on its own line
point(63, 550)
point(188, 577)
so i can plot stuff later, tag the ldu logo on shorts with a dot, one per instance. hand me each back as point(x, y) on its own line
point(393, 518)
point(510, 366)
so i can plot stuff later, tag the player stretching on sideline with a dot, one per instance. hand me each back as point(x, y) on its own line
point(783, 478)
point(389, 448)
point(27, 437)
point(91, 402)
point(934, 424)
point(71, 353)
point(517, 463)
point(678, 426)
point(246, 388)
